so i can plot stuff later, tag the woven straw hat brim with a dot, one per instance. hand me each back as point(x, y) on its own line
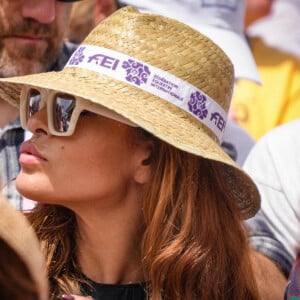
point(170, 46)
point(16, 232)
point(161, 118)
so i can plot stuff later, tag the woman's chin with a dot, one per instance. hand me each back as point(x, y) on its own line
point(30, 188)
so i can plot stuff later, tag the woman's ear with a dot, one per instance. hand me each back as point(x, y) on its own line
point(144, 158)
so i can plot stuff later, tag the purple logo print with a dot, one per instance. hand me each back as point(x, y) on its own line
point(77, 57)
point(197, 105)
point(218, 120)
point(136, 72)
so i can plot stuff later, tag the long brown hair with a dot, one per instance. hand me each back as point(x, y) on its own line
point(55, 227)
point(194, 245)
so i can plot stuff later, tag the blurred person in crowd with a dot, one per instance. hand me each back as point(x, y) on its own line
point(23, 267)
point(82, 21)
point(31, 41)
point(256, 10)
point(284, 20)
point(274, 165)
point(137, 200)
point(86, 15)
point(261, 108)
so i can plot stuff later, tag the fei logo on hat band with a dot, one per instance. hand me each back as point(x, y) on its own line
point(152, 80)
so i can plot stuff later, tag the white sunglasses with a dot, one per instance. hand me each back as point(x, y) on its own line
point(63, 109)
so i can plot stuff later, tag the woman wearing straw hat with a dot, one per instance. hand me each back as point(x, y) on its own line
point(136, 198)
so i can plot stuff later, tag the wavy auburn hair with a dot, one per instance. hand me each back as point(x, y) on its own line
point(194, 245)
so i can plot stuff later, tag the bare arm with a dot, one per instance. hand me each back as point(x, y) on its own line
point(270, 280)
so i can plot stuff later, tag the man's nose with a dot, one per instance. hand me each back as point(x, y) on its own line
point(42, 11)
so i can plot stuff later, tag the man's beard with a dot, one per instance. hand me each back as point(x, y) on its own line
point(28, 59)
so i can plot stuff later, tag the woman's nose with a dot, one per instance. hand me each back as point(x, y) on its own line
point(38, 123)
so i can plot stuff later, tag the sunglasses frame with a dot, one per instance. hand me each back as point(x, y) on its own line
point(81, 104)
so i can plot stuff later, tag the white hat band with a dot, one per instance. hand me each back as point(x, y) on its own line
point(153, 80)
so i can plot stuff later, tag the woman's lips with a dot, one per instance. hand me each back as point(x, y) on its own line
point(29, 155)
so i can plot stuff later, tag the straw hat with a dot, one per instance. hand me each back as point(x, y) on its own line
point(222, 21)
point(160, 74)
point(17, 233)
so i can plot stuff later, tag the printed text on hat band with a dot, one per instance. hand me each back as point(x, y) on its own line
point(152, 80)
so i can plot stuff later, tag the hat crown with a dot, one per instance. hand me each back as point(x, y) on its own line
point(170, 46)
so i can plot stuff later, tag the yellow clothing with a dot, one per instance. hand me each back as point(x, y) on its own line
point(260, 108)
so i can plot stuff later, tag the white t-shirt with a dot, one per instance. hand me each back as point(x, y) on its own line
point(274, 164)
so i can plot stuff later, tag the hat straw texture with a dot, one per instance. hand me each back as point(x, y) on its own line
point(172, 47)
point(220, 20)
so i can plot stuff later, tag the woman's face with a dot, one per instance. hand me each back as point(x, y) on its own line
point(101, 160)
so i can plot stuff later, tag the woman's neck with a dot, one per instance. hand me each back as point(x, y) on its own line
point(109, 244)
